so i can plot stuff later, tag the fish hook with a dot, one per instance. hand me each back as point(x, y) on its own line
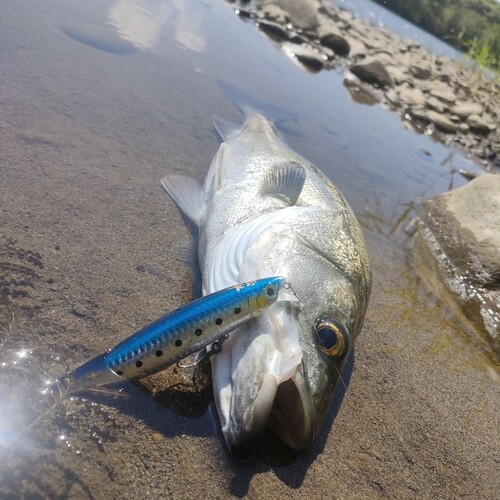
point(202, 357)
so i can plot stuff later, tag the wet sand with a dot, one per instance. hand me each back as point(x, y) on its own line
point(91, 248)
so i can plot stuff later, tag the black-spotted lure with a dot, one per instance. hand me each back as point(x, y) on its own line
point(178, 334)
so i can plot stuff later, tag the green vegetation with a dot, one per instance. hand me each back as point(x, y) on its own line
point(472, 26)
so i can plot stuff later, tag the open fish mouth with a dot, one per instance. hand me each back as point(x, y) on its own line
point(259, 383)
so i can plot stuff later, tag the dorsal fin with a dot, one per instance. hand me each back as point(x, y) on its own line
point(284, 181)
point(225, 128)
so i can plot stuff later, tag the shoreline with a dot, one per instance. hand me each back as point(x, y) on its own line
point(432, 94)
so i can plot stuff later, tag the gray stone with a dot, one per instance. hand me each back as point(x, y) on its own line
point(419, 114)
point(420, 72)
point(463, 127)
point(398, 76)
point(301, 13)
point(478, 125)
point(466, 109)
point(306, 56)
point(273, 30)
point(372, 72)
point(357, 47)
point(435, 104)
point(274, 13)
point(337, 43)
point(441, 122)
point(412, 96)
point(444, 93)
point(345, 15)
point(392, 96)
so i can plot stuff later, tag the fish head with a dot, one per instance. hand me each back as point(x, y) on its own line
point(279, 371)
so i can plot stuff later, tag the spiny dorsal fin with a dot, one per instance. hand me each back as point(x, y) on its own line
point(284, 181)
point(225, 128)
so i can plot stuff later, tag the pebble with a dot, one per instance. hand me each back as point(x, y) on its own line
point(420, 72)
point(307, 56)
point(398, 75)
point(444, 94)
point(435, 104)
point(466, 109)
point(337, 43)
point(412, 96)
point(273, 31)
point(478, 125)
point(372, 72)
point(441, 122)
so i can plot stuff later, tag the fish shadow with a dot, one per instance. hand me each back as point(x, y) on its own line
point(289, 466)
point(165, 412)
point(173, 411)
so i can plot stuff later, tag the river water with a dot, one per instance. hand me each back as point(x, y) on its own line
point(100, 99)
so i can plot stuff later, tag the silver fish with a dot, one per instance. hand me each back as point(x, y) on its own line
point(265, 211)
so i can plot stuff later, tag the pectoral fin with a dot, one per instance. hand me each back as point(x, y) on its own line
point(285, 182)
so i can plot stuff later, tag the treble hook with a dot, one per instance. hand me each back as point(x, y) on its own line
point(202, 357)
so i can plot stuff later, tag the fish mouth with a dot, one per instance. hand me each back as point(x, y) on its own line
point(259, 383)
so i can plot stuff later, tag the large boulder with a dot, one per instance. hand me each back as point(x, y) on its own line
point(461, 229)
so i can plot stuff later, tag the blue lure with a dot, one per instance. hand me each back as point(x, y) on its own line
point(178, 334)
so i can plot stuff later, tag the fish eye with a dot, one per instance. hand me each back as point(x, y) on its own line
point(332, 336)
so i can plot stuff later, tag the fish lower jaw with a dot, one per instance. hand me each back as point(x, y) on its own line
point(289, 415)
point(292, 414)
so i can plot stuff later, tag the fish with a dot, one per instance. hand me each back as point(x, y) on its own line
point(264, 210)
point(176, 335)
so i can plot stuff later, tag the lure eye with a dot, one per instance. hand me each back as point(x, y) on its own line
point(271, 291)
point(333, 338)
point(267, 295)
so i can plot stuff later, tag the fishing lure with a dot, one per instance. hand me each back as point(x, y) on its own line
point(178, 334)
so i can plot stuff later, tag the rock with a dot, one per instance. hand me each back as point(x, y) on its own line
point(392, 96)
point(466, 109)
point(306, 56)
point(412, 96)
point(419, 114)
point(443, 92)
point(357, 47)
point(384, 56)
point(360, 93)
point(301, 13)
point(345, 15)
point(274, 13)
point(337, 43)
point(420, 72)
point(372, 72)
point(330, 12)
point(463, 234)
point(273, 31)
point(436, 104)
point(463, 127)
point(478, 125)
point(398, 76)
point(441, 122)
